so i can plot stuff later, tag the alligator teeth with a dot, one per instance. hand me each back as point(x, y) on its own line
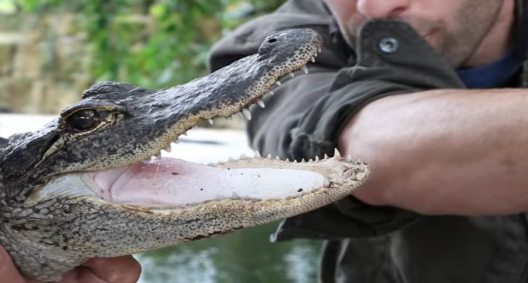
point(168, 149)
point(292, 75)
point(261, 103)
point(305, 69)
point(246, 113)
point(336, 152)
point(211, 122)
point(271, 92)
point(319, 50)
point(278, 83)
point(313, 59)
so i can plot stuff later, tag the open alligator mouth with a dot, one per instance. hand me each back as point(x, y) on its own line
point(87, 185)
point(169, 183)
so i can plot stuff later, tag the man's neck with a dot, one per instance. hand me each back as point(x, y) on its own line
point(499, 40)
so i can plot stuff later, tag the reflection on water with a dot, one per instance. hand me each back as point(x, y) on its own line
point(182, 264)
point(241, 257)
point(301, 261)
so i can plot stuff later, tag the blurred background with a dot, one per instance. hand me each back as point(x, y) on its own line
point(51, 50)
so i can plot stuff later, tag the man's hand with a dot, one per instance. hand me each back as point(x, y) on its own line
point(123, 269)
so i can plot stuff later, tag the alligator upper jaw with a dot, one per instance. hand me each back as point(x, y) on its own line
point(149, 121)
point(117, 124)
point(170, 183)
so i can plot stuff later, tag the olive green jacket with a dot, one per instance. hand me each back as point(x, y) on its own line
point(365, 243)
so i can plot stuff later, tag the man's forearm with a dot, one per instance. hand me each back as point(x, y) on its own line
point(444, 151)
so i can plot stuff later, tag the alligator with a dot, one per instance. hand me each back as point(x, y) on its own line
point(90, 183)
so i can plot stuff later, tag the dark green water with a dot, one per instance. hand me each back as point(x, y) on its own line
point(240, 257)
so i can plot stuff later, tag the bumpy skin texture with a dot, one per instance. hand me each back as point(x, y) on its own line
point(117, 124)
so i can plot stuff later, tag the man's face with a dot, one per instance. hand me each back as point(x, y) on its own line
point(455, 28)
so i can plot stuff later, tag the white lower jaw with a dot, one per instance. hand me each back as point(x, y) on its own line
point(169, 182)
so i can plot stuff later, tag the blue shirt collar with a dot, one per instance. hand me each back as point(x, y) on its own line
point(492, 75)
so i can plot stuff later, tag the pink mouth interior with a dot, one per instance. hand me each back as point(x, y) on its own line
point(170, 182)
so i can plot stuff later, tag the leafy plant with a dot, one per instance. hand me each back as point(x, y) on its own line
point(152, 43)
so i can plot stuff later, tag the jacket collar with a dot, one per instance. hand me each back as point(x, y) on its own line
point(521, 37)
point(521, 22)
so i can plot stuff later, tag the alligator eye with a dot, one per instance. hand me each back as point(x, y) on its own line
point(83, 120)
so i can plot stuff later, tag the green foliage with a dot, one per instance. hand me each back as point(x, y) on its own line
point(36, 5)
point(162, 46)
point(152, 43)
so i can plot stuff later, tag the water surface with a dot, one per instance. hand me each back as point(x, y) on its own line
point(240, 257)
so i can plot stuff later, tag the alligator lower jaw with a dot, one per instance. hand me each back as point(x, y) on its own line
point(171, 184)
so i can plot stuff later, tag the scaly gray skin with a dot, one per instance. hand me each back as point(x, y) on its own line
point(60, 186)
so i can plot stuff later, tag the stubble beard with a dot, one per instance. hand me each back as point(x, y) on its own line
point(456, 42)
point(471, 25)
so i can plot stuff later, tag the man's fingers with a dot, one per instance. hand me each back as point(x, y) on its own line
point(8, 270)
point(81, 274)
point(124, 269)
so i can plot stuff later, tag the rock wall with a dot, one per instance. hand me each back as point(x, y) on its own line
point(44, 62)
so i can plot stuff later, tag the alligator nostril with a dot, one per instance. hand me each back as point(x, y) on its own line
point(272, 40)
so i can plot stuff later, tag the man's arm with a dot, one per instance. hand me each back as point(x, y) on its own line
point(444, 151)
point(307, 114)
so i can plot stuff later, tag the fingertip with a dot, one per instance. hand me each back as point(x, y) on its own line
point(8, 270)
point(131, 269)
point(123, 269)
point(134, 276)
point(4, 257)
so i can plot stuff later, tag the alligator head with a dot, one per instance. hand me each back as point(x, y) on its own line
point(85, 184)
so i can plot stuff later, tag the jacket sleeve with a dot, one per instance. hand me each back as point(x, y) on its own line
point(308, 112)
